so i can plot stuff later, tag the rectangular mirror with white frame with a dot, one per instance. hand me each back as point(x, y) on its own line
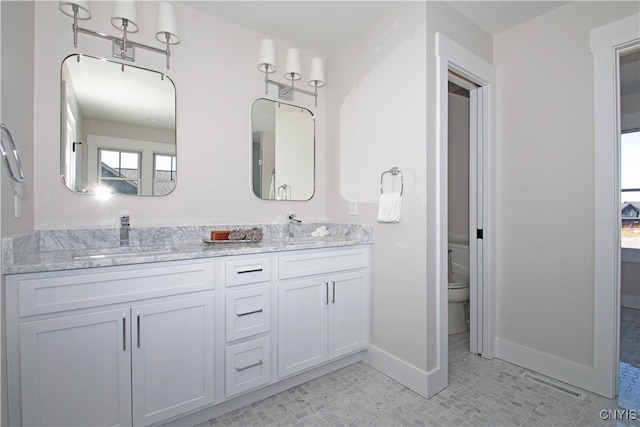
point(118, 128)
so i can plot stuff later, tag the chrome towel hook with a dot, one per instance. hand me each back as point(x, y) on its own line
point(4, 130)
point(393, 171)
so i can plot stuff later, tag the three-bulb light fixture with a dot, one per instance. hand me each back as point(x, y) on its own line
point(266, 64)
point(124, 16)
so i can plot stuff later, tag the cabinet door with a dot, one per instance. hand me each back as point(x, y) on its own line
point(348, 313)
point(76, 370)
point(302, 325)
point(172, 358)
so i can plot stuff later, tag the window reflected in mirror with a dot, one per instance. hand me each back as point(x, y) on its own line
point(283, 143)
point(118, 128)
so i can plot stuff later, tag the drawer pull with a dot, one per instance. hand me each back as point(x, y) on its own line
point(249, 312)
point(255, 270)
point(250, 365)
point(124, 333)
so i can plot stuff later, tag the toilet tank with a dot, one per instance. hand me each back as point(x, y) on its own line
point(460, 257)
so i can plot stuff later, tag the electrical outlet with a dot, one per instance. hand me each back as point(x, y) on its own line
point(353, 207)
point(17, 202)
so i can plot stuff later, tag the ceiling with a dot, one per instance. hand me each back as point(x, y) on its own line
point(496, 17)
point(322, 26)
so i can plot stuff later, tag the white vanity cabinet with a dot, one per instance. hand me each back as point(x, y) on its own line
point(110, 346)
point(323, 307)
point(248, 324)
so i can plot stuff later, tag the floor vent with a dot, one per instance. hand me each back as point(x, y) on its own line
point(554, 385)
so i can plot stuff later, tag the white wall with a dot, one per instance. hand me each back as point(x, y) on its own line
point(458, 140)
point(545, 176)
point(17, 109)
point(214, 71)
point(383, 88)
point(16, 106)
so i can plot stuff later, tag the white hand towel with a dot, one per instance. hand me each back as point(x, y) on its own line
point(389, 207)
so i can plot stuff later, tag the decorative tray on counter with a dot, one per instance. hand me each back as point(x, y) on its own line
point(238, 235)
point(209, 241)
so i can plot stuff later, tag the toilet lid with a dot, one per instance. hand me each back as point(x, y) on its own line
point(458, 285)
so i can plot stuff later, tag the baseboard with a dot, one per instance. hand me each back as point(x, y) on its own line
point(564, 370)
point(630, 301)
point(396, 368)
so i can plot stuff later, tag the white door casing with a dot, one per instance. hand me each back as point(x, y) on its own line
point(452, 57)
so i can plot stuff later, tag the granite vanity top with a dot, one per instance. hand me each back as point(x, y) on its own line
point(52, 250)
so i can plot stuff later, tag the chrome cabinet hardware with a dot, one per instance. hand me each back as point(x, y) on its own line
point(255, 270)
point(248, 366)
point(249, 312)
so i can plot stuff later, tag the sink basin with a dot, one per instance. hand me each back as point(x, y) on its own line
point(122, 252)
point(302, 240)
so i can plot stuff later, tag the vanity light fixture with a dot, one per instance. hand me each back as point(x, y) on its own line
point(124, 16)
point(266, 64)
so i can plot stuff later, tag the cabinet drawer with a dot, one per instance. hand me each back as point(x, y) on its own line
point(248, 312)
point(43, 293)
point(307, 264)
point(248, 365)
point(247, 270)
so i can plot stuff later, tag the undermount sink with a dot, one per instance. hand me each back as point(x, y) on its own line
point(309, 239)
point(122, 252)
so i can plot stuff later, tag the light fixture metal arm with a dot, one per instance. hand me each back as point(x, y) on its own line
point(130, 43)
point(124, 42)
point(268, 81)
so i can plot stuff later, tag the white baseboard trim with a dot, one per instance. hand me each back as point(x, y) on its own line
point(396, 368)
point(564, 370)
point(630, 301)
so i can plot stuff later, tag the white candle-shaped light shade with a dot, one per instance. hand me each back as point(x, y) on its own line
point(84, 11)
point(292, 72)
point(125, 9)
point(267, 59)
point(166, 24)
point(316, 77)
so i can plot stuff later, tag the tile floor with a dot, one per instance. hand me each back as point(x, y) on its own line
point(481, 393)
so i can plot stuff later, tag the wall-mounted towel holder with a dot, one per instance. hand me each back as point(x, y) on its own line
point(14, 151)
point(393, 171)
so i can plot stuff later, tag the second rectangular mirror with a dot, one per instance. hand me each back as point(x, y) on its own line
point(283, 151)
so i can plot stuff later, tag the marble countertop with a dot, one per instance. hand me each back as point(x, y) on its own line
point(42, 256)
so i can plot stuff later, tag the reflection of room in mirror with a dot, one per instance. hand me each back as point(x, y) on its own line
point(118, 130)
point(283, 151)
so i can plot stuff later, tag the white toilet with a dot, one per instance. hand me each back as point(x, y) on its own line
point(458, 288)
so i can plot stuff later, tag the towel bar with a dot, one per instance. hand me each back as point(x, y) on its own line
point(393, 171)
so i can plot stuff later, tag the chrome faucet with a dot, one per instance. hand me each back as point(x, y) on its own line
point(124, 231)
point(292, 220)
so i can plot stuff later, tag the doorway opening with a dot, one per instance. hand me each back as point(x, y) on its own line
point(629, 175)
point(461, 210)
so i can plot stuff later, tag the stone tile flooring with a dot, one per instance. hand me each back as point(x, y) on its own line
point(481, 393)
point(630, 336)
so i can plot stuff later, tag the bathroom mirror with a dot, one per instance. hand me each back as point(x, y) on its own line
point(118, 128)
point(283, 142)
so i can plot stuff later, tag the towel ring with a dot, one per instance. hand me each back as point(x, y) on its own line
point(16, 156)
point(393, 171)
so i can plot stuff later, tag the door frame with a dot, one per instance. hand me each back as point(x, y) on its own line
point(607, 42)
point(475, 244)
point(450, 56)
